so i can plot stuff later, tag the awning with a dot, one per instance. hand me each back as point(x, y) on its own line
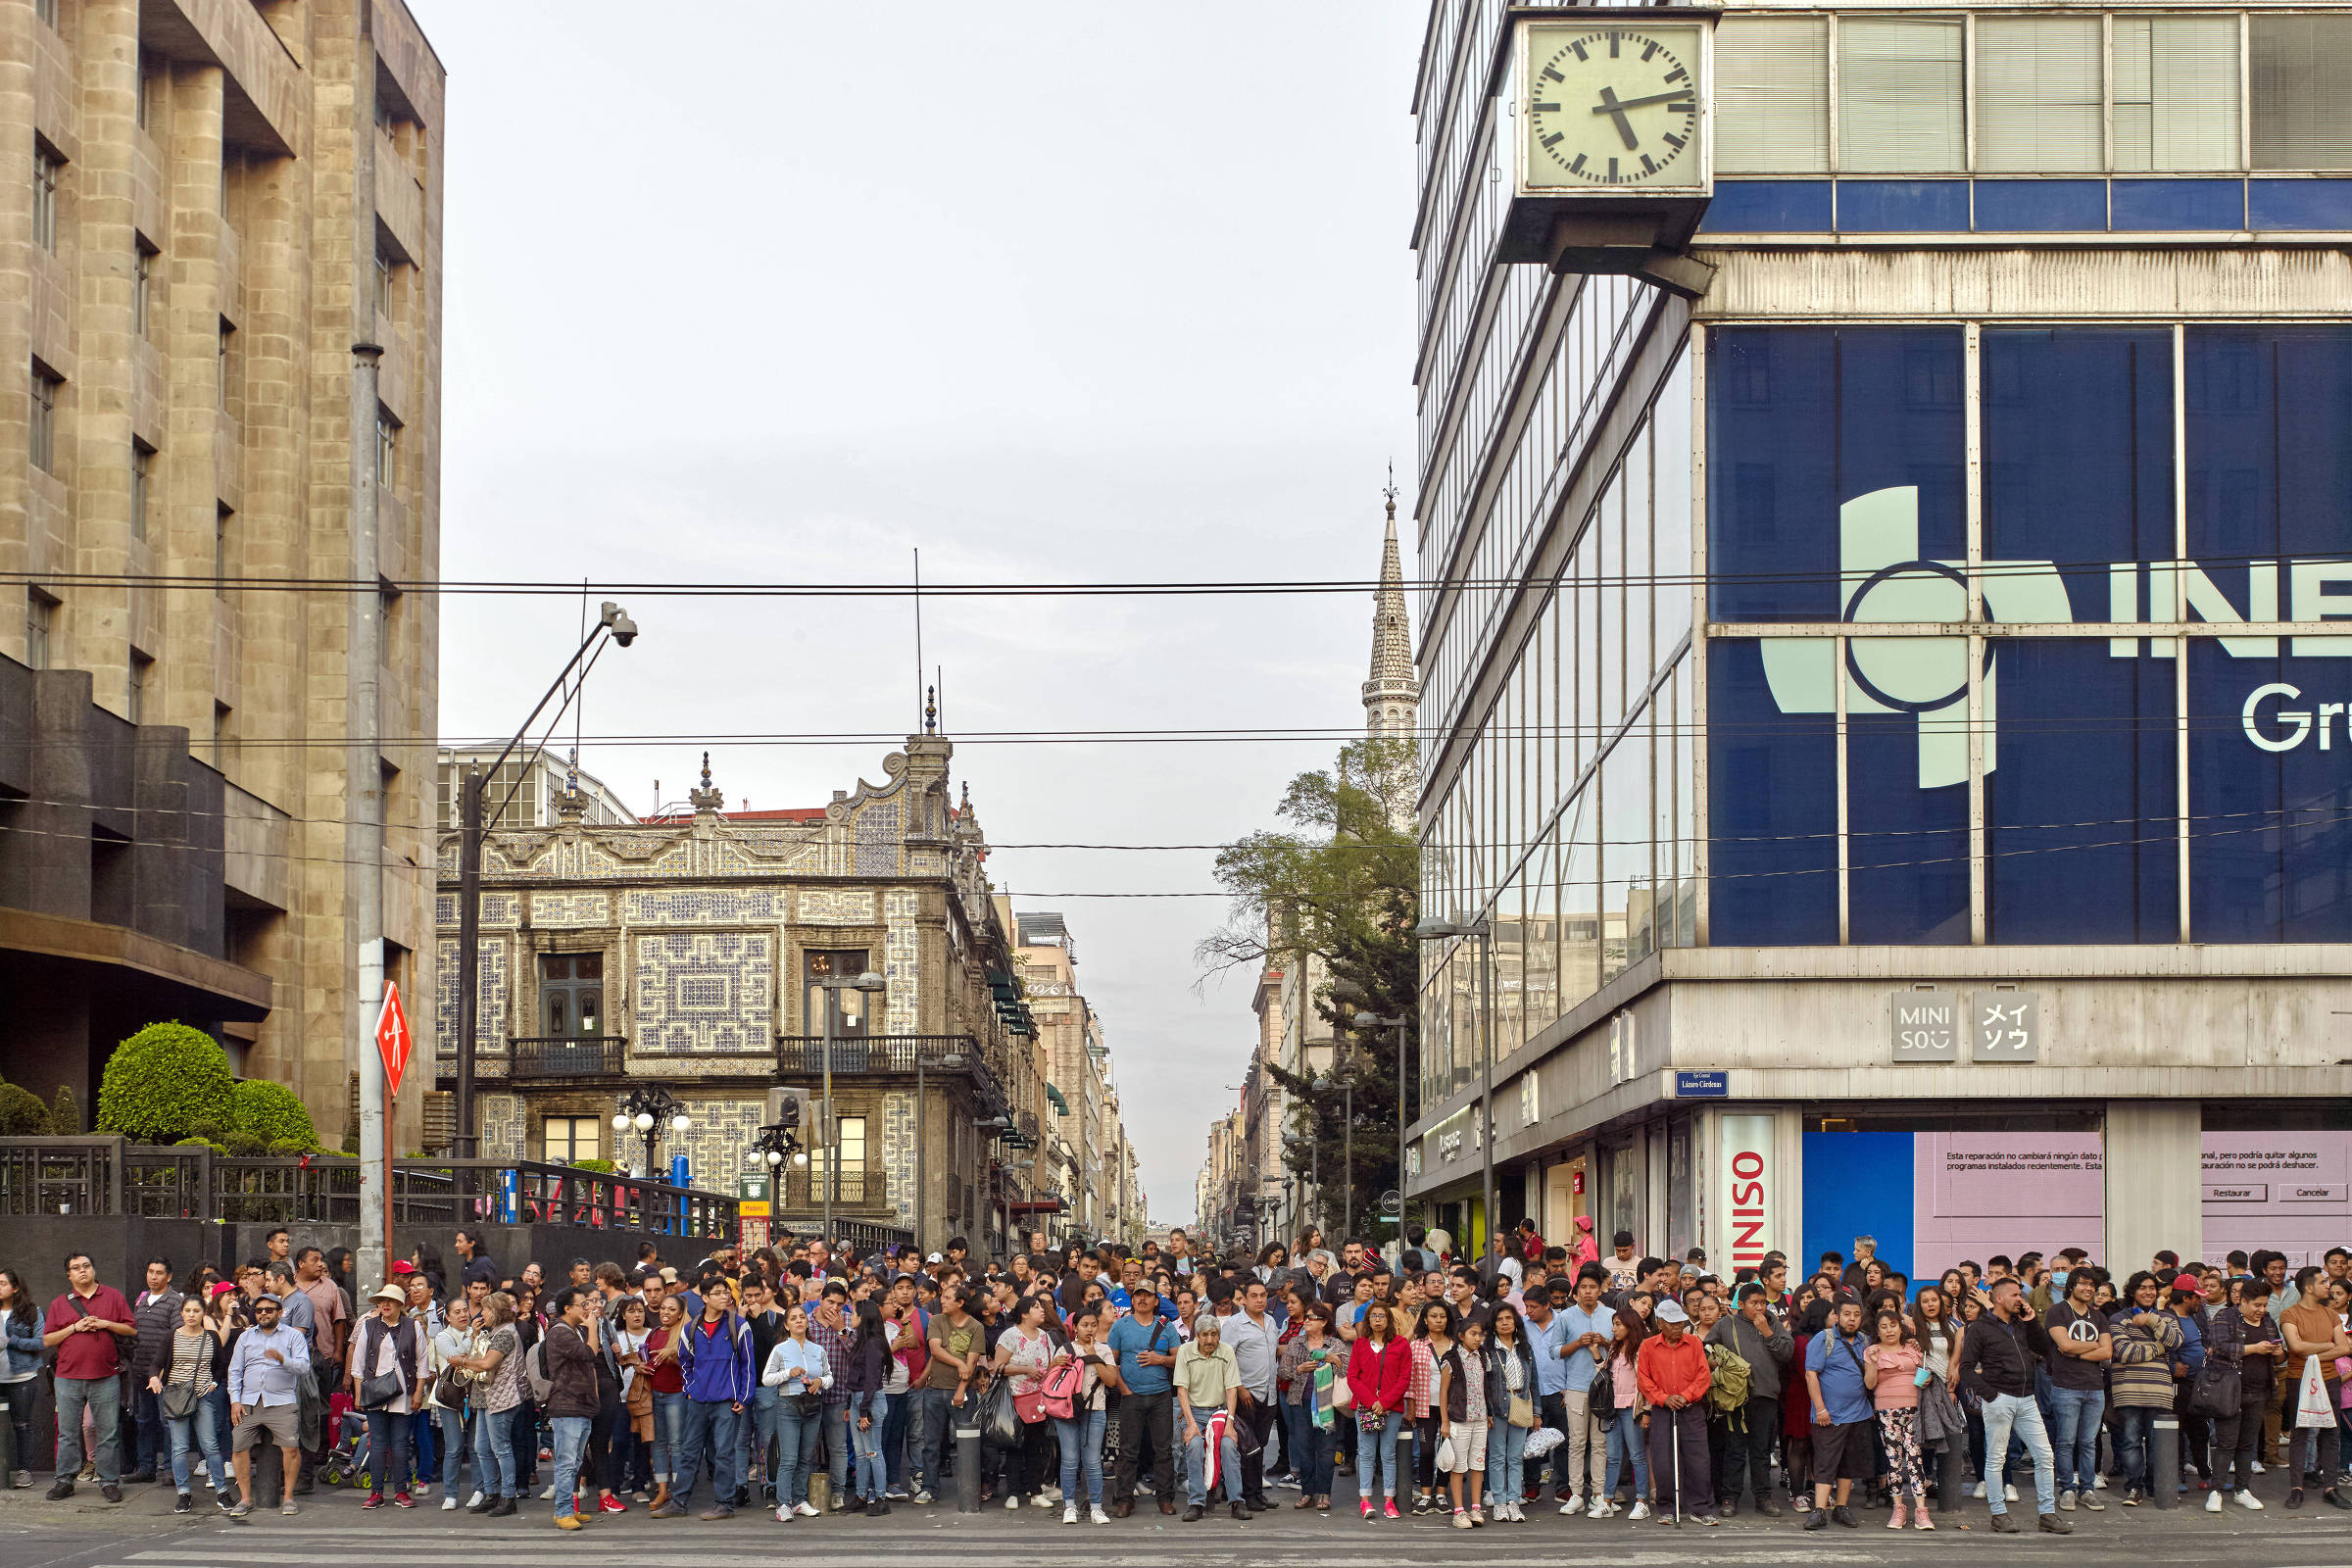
point(1059, 1104)
point(1035, 1206)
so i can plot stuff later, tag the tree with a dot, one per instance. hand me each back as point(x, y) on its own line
point(1341, 885)
point(165, 1082)
point(65, 1114)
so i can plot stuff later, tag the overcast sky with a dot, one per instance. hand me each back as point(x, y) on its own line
point(1060, 292)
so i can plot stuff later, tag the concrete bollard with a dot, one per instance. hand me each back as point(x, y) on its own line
point(2164, 1462)
point(967, 1458)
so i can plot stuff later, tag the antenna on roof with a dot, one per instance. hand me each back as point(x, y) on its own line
point(920, 717)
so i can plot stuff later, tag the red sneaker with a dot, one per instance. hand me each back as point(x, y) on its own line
point(401, 1499)
point(375, 1499)
point(611, 1505)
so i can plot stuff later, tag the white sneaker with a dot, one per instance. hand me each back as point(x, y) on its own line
point(475, 1501)
point(1041, 1501)
point(1976, 1489)
point(1518, 1512)
point(1069, 1513)
point(547, 1494)
point(2099, 1483)
point(2212, 1502)
point(784, 1514)
point(449, 1503)
point(1640, 1510)
point(1095, 1515)
point(2257, 1466)
point(421, 1491)
point(1576, 1504)
point(2008, 1493)
point(805, 1509)
point(2247, 1500)
point(1602, 1508)
point(1013, 1503)
point(922, 1497)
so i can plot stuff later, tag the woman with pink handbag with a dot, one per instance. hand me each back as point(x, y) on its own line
point(1076, 1398)
point(1026, 1352)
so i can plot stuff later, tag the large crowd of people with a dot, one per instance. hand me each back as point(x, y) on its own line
point(811, 1383)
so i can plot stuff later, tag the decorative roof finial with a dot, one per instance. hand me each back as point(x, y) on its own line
point(1391, 491)
point(705, 770)
point(930, 709)
point(708, 797)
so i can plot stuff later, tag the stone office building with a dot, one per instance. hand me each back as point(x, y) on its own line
point(205, 204)
point(688, 952)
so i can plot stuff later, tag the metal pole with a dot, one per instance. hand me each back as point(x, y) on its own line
point(922, 1165)
point(1401, 1203)
point(470, 947)
point(2163, 1461)
point(1347, 1163)
point(364, 782)
point(1485, 1095)
point(824, 1116)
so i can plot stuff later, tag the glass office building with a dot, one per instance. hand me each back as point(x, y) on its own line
point(1883, 709)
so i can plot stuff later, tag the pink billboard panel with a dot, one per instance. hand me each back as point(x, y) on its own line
point(1975, 1193)
point(2289, 1192)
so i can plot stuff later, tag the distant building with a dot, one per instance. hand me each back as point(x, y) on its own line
point(528, 791)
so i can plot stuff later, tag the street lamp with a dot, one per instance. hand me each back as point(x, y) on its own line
point(953, 1062)
point(472, 831)
point(869, 983)
point(646, 1111)
point(1434, 929)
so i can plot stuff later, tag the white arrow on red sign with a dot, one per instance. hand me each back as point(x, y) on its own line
point(392, 1037)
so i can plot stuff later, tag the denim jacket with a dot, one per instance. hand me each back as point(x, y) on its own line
point(23, 1353)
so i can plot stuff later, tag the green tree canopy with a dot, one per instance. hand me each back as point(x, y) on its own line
point(1338, 884)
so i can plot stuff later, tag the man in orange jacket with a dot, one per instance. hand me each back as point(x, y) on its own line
point(1672, 1369)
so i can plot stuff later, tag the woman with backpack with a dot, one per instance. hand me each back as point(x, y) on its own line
point(1080, 1407)
point(386, 1359)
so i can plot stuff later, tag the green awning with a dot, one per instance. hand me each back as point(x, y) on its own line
point(1059, 1104)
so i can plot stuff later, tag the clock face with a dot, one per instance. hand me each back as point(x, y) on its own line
point(1612, 106)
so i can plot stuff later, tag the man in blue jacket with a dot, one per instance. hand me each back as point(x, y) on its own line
point(715, 1360)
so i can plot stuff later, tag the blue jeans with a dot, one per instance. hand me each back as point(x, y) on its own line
point(763, 1425)
point(388, 1450)
point(103, 1398)
point(873, 1476)
point(932, 1412)
point(1376, 1456)
point(2075, 1436)
point(894, 1436)
point(2133, 1425)
point(2005, 1413)
point(709, 1430)
point(152, 1440)
point(453, 1446)
point(797, 1437)
point(1081, 1457)
point(1196, 1462)
point(1628, 1450)
point(494, 1452)
point(1506, 1460)
point(188, 1431)
point(421, 1436)
point(1311, 1444)
point(838, 1448)
point(572, 1440)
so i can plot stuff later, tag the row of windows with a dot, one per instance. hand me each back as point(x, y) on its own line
point(1571, 395)
point(2033, 94)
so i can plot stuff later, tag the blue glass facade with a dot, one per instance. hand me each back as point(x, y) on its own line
point(1836, 460)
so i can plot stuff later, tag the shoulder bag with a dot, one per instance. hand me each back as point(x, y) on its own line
point(178, 1401)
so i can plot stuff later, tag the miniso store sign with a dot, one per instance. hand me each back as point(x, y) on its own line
point(1885, 580)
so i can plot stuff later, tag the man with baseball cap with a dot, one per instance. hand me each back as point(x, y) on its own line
point(1672, 1369)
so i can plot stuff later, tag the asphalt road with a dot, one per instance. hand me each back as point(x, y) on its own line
point(141, 1532)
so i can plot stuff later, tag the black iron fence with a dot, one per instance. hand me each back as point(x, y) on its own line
point(561, 1057)
point(802, 1057)
point(862, 1235)
point(109, 1176)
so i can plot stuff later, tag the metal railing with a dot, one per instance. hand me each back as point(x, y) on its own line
point(567, 1056)
point(108, 1176)
point(803, 1057)
point(862, 1235)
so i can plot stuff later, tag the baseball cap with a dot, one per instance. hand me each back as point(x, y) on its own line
point(404, 1266)
point(1670, 1311)
point(2188, 1282)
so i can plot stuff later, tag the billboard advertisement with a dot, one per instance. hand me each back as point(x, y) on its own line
point(2288, 1192)
point(1930, 1199)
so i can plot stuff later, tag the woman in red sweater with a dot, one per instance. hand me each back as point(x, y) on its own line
point(1379, 1367)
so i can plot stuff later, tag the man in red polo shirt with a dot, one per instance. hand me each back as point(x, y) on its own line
point(87, 1326)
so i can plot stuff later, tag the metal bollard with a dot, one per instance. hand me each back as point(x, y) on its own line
point(1948, 1471)
point(967, 1458)
point(2164, 1462)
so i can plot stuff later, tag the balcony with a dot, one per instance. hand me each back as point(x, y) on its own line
point(541, 1057)
point(802, 1057)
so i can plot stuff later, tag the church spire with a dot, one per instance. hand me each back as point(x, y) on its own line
point(1393, 695)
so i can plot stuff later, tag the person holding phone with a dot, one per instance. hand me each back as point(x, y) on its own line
point(2243, 1335)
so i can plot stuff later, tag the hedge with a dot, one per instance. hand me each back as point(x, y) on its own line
point(166, 1083)
point(273, 1114)
point(22, 1113)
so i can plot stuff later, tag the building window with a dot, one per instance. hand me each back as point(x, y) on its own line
point(227, 332)
point(1772, 95)
point(40, 624)
point(142, 286)
point(2175, 93)
point(2038, 108)
point(567, 1139)
point(2302, 84)
point(46, 167)
point(383, 285)
point(849, 1162)
point(138, 111)
point(221, 517)
point(143, 471)
point(848, 1007)
point(1899, 96)
point(43, 442)
point(134, 698)
point(46, 10)
point(571, 994)
point(387, 450)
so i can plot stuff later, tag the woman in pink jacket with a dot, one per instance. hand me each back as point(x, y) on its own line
point(1379, 1369)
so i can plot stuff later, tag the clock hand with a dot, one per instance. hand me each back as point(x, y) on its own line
point(1609, 106)
point(1612, 103)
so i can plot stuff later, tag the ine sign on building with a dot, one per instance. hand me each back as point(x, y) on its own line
point(1887, 490)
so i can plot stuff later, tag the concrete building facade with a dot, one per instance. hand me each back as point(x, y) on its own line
point(213, 213)
point(1875, 644)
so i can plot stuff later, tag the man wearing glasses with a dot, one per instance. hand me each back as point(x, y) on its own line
point(87, 1326)
point(263, 1400)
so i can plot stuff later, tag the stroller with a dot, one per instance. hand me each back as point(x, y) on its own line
point(348, 1457)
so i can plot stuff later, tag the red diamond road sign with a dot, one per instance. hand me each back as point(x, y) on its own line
point(392, 1037)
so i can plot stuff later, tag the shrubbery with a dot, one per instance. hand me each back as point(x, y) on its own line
point(22, 1113)
point(271, 1115)
point(166, 1083)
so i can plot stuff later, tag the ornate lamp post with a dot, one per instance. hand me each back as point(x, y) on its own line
point(647, 1112)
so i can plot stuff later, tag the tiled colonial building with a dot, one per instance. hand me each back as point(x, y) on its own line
point(688, 952)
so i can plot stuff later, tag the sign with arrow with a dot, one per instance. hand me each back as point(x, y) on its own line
point(392, 1038)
